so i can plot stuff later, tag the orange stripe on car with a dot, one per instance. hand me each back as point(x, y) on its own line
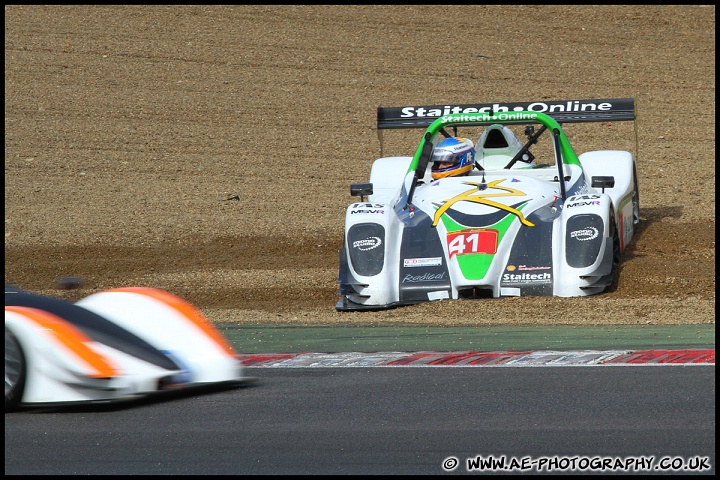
point(70, 337)
point(186, 309)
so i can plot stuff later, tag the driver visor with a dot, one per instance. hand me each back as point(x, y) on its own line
point(444, 157)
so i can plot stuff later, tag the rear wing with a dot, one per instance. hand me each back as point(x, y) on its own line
point(563, 111)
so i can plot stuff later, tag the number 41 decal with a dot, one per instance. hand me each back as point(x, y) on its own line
point(464, 242)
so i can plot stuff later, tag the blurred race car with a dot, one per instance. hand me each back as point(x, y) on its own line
point(498, 216)
point(114, 345)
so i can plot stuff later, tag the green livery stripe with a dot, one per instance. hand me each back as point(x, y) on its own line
point(625, 201)
point(475, 266)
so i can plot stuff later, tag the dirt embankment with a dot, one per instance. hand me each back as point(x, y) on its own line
point(208, 150)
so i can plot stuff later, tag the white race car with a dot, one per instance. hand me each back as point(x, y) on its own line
point(494, 217)
point(114, 345)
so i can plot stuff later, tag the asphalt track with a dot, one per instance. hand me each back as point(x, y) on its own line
point(398, 420)
point(405, 420)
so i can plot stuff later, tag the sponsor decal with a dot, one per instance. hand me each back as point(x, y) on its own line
point(360, 208)
point(583, 204)
point(455, 148)
point(422, 262)
point(514, 180)
point(585, 234)
point(425, 277)
point(485, 117)
point(476, 240)
point(367, 205)
point(367, 244)
point(627, 229)
point(512, 268)
point(365, 210)
point(439, 295)
point(582, 190)
point(583, 197)
point(476, 195)
point(525, 267)
point(572, 106)
point(527, 277)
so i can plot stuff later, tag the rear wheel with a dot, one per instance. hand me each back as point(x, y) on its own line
point(617, 251)
point(636, 198)
point(15, 370)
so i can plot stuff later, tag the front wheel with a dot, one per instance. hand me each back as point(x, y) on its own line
point(15, 371)
point(614, 276)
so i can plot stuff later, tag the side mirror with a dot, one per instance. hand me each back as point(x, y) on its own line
point(602, 182)
point(361, 189)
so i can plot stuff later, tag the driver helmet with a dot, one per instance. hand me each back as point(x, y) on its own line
point(453, 157)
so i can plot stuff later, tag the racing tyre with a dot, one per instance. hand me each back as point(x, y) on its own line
point(15, 371)
point(617, 252)
point(636, 198)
